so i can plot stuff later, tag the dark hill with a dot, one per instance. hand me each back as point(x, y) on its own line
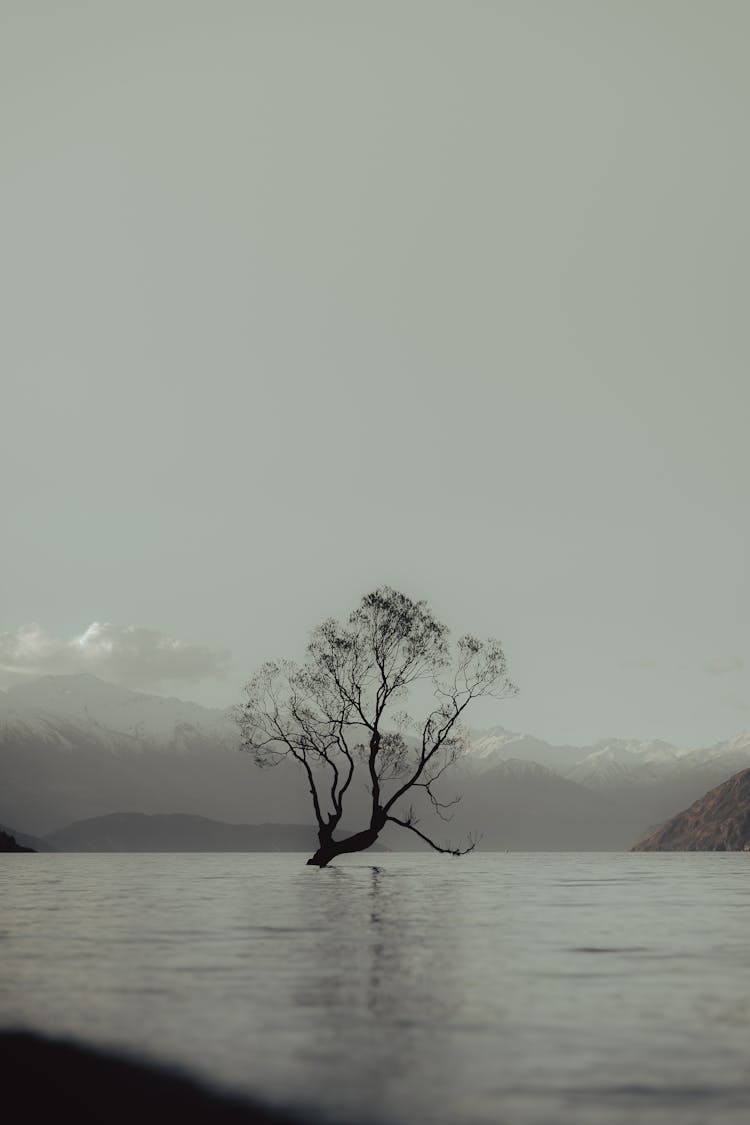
point(179, 832)
point(717, 822)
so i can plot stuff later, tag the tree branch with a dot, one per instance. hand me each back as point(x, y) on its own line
point(445, 851)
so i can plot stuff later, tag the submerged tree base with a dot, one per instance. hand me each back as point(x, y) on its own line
point(320, 859)
point(329, 848)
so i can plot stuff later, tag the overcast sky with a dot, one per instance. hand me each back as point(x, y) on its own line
point(302, 298)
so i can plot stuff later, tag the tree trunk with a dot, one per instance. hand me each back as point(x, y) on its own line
point(330, 848)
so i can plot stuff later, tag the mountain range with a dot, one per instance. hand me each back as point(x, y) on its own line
point(75, 747)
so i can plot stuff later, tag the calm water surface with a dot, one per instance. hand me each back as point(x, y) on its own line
point(574, 989)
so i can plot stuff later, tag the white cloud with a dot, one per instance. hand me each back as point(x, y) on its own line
point(124, 654)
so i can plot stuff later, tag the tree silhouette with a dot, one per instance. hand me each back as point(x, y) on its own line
point(336, 714)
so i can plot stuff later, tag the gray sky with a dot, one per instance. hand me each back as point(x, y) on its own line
point(305, 298)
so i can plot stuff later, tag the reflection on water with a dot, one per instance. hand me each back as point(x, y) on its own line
point(527, 988)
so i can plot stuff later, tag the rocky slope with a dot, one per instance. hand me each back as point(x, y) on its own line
point(717, 822)
point(30, 843)
point(9, 843)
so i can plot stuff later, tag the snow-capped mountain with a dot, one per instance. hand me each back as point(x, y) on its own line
point(609, 762)
point(487, 748)
point(619, 762)
point(522, 770)
point(605, 762)
point(735, 749)
point(63, 709)
point(603, 768)
point(73, 747)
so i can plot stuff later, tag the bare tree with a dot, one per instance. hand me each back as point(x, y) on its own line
point(337, 714)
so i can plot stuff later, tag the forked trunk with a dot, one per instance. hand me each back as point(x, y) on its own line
point(330, 848)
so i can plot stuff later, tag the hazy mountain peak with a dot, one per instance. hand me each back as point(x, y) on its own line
point(91, 704)
point(651, 749)
point(484, 743)
point(522, 769)
point(82, 685)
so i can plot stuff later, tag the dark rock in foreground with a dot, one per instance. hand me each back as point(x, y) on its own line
point(717, 822)
point(49, 1080)
point(8, 843)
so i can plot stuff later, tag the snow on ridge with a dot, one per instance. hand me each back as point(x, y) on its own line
point(484, 743)
point(608, 763)
point(58, 706)
point(652, 748)
point(60, 710)
point(739, 743)
point(523, 768)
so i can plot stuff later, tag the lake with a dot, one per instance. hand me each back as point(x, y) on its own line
point(390, 988)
